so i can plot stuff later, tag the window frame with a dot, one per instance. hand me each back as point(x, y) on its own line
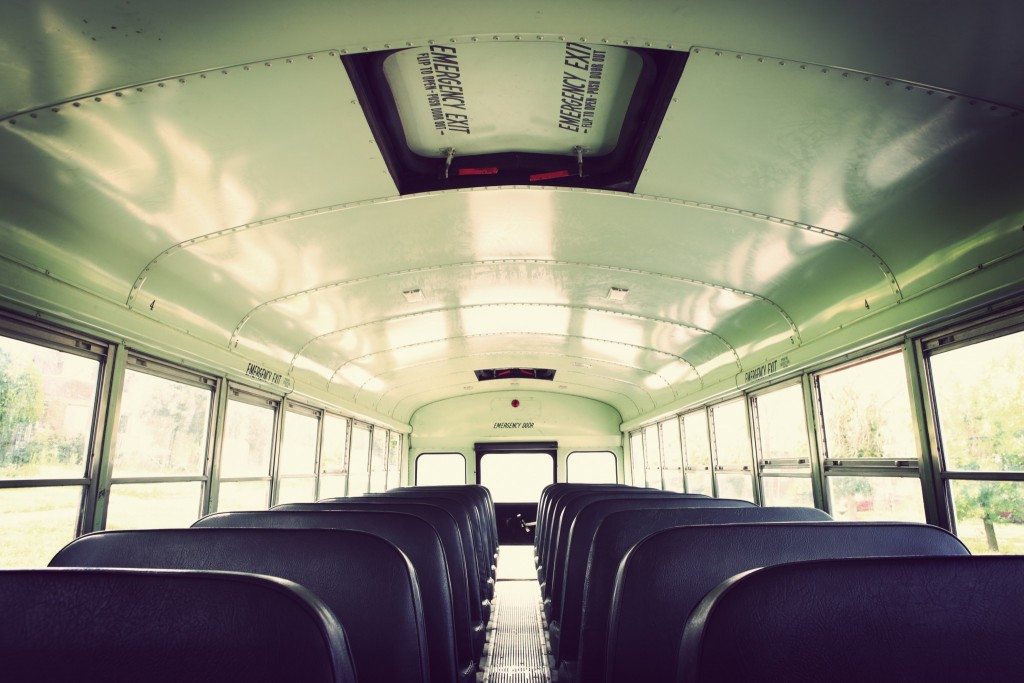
point(687, 467)
point(792, 468)
point(568, 461)
point(416, 464)
point(951, 338)
point(717, 469)
point(343, 472)
point(870, 467)
point(369, 454)
point(263, 399)
point(290, 406)
point(146, 364)
point(39, 333)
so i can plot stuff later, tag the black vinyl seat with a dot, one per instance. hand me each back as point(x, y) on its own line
point(78, 625)
point(571, 506)
point(465, 584)
point(617, 533)
point(449, 636)
point(553, 511)
point(367, 583)
point(570, 572)
point(958, 619)
point(462, 519)
point(668, 573)
point(478, 529)
point(480, 495)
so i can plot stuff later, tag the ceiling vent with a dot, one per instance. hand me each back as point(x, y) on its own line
point(515, 373)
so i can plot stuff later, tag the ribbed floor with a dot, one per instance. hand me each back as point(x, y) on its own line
point(517, 651)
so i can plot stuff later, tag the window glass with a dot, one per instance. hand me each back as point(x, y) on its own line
point(243, 495)
point(296, 490)
point(782, 424)
point(652, 457)
point(378, 459)
point(154, 506)
point(332, 451)
point(871, 499)
point(671, 455)
point(732, 444)
point(698, 445)
point(36, 522)
point(787, 491)
point(248, 440)
point(636, 458)
point(979, 393)
point(359, 458)
point(866, 410)
point(590, 467)
point(394, 460)
point(440, 469)
point(47, 401)
point(298, 445)
point(516, 477)
point(989, 515)
point(699, 482)
point(735, 485)
point(332, 485)
point(163, 427)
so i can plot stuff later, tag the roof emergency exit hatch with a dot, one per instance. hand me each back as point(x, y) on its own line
point(465, 115)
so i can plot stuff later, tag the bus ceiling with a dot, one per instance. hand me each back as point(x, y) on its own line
point(366, 211)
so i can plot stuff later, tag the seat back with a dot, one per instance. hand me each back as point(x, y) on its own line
point(458, 559)
point(617, 533)
point(124, 625)
point(571, 571)
point(456, 509)
point(470, 500)
point(900, 619)
point(367, 583)
point(571, 509)
point(668, 573)
point(554, 512)
point(449, 636)
point(482, 497)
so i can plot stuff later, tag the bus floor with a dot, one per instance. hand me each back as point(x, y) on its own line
point(517, 649)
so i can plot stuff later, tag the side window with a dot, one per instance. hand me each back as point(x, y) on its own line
point(697, 453)
point(867, 430)
point(394, 460)
point(297, 470)
point(733, 472)
point(159, 456)
point(334, 457)
point(783, 453)
point(671, 455)
point(378, 460)
point(636, 458)
point(440, 469)
point(591, 467)
point(246, 452)
point(359, 460)
point(652, 457)
point(979, 408)
point(47, 407)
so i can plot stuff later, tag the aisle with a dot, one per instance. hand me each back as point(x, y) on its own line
point(517, 651)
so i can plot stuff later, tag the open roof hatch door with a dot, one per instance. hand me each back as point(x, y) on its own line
point(478, 114)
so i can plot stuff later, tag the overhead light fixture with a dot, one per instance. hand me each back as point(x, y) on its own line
point(617, 293)
point(413, 295)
